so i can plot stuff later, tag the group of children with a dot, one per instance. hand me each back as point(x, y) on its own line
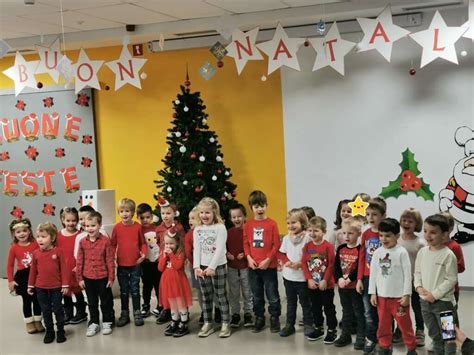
point(379, 265)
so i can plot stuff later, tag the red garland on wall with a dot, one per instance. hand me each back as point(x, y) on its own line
point(17, 212)
point(48, 102)
point(49, 209)
point(32, 153)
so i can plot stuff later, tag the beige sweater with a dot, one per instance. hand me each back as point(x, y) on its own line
point(436, 271)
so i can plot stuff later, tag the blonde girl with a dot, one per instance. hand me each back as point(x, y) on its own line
point(209, 240)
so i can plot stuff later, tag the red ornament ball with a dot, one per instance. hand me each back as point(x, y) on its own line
point(306, 43)
point(219, 171)
point(412, 71)
point(198, 189)
point(175, 115)
point(39, 85)
point(193, 155)
point(233, 193)
point(223, 199)
point(179, 173)
point(199, 173)
point(220, 64)
point(187, 83)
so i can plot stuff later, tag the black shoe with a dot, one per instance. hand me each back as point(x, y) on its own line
point(124, 319)
point(60, 336)
point(165, 317)
point(369, 346)
point(217, 315)
point(359, 343)
point(49, 336)
point(343, 340)
point(330, 337)
point(171, 328)
point(248, 321)
point(78, 318)
point(146, 310)
point(259, 324)
point(412, 352)
point(138, 319)
point(235, 321)
point(201, 319)
point(287, 331)
point(318, 333)
point(382, 351)
point(157, 311)
point(181, 330)
point(274, 324)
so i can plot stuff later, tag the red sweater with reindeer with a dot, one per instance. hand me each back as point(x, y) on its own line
point(318, 262)
point(23, 255)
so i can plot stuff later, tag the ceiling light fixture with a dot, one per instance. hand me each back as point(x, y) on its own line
point(29, 2)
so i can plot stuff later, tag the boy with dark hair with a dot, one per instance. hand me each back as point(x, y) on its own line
point(237, 268)
point(261, 245)
point(150, 273)
point(369, 243)
point(435, 279)
point(390, 288)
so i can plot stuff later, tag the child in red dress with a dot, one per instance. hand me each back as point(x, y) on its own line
point(21, 250)
point(66, 240)
point(175, 292)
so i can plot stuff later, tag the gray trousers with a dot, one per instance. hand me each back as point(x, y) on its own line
point(432, 320)
point(238, 282)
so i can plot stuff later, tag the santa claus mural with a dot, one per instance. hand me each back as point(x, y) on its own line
point(458, 196)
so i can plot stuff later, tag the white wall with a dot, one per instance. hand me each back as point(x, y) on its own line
point(345, 135)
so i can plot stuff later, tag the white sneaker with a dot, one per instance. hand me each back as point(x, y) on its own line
point(206, 330)
point(92, 330)
point(107, 328)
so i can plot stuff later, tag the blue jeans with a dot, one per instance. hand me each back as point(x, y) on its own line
point(50, 301)
point(370, 313)
point(129, 282)
point(265, 282)
point(297, 290)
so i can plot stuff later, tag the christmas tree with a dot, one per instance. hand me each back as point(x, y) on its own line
point(194, 166)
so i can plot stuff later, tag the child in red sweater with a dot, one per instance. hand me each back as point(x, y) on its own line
point(49, 281)
point(129, 244)
point(318, 267)
point(65, 241)
point(261, 245)
point(238, 269)
point(21, 249)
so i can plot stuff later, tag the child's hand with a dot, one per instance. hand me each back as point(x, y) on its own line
point(12, 285)
point(428, 297)
point(167, 250)
point(209, 272)
point(405, 301)
point(74, 269)
point(373, 300)
point(264, 264)
point(65, 290)
point(82, 285)
point(360, 287)
point(30, 291)
point(140, 259)
point(323, 285)
point(295, 265)
point(421, 291)
point(252, 263)
point(198, 273)
point(240, 256)
point(109, 284)
point(312, 284)
point(341, 282)
point(230, 256)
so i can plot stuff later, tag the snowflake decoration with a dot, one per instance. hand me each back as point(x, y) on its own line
point(4, 156)
point(17, 212)
point(20, 105)
point(31, 153)
point(87, 139)
point(59, 153)
point(48, 102)
point(86, 162)
point(48, 209)
point(82, 99)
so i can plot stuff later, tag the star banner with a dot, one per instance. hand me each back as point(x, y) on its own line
point(22, 73)
point(126, 69)
point(243, 48)
point(85, 72)
point(49, 59)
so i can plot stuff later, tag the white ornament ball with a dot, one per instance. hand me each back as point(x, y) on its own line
point(227, 173)
point(186, 109)
point(155, 218)
point(463, 53)
point(202, 158)
point(177, 102)
point(204, 121)
point(212, 140)
point(182, 149)
point(219, 158)
point(225, 194)
point(263, 78)
point(214, 178)
point(169, 189)
point(185, 182)
point(178, 134)
point(143, 76)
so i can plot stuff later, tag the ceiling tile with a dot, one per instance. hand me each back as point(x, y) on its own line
point(128, 14)
point(83, 4)
point(244, 6)
point(296, 3)
point(18, 8)
point(182, 9)
point(76, 20)
point(19, 24)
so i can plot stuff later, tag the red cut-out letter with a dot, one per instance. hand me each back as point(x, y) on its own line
point(30, 134)
point(435, 44)
point(50, 129)
point(331, 49)
point(14, 134)
point(10, 182)
point(240, 46)
point(122, 69)
point(46, 62)
point(379, 32)
point(22, 73)
point(69, 175)
point(89, 69)
point(46, 175)
point(25, 179)
point(71, 125)
point(282, 49)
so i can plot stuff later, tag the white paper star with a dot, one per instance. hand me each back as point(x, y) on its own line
point(469, 25)
point(331, 50)
point(243, 48)
point(126, 69)
point(22, 73)
point(49, 59)
point(380, 34)
point(281, 50)
point(85, 72)
point(438, 41)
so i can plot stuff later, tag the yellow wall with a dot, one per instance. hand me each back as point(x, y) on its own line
point(245, 112)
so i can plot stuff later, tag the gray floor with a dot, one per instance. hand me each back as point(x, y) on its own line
point(149, 339)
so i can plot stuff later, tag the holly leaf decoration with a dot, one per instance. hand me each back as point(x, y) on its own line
point(393, 189)
point(409, 162)
point(425, 192)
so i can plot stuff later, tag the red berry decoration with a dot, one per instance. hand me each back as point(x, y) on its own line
point(17, 212)
point(408, 175)
point(306, 43)
point(20, 105)
point(412, 71)
point(415, 184)
point(220, 64)
point(404, 186)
